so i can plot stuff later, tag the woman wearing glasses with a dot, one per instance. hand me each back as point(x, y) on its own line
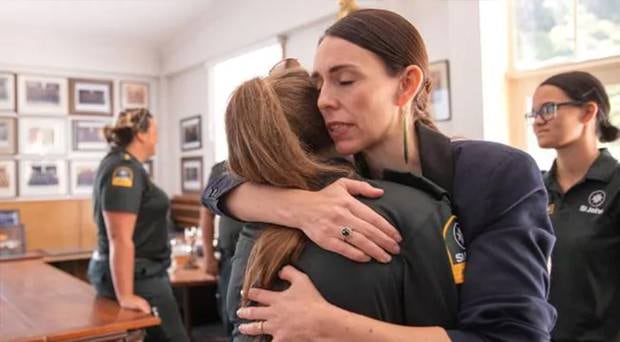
point(131, 212)
point(371, 69)
point(570, 113)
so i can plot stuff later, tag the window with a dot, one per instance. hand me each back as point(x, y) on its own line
point(227, 75)
point(562, 31)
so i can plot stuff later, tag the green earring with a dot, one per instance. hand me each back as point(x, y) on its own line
point(405, 146)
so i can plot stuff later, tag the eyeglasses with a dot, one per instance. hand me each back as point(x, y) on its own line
point(549, 110)
point(285, 64)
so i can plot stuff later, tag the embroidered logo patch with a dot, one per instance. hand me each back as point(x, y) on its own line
point(455, 246)
point(122, 176)
point(597, 198)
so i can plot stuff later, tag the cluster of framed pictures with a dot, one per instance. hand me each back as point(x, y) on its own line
point(50, 95)
point(191, 167)
point(44, 117)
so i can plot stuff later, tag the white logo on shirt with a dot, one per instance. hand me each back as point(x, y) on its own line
point(595, 200)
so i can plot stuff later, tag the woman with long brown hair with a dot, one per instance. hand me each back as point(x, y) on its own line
point(276, 137)
point(371, 68)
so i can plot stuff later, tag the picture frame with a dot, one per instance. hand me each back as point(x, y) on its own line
point(134, 95)
point(8, 179)
point(9, 218)
point(8, 136)
point(440, 98)
point(148, 167)
point(42, 178)
point(42, 136)
point(91, 97)
point(191, 133)
point(87, 135)
point(41, 95)
point(191, 174)
point(8, 100)
point(82, 173)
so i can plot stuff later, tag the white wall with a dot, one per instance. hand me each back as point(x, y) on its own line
point(63, 51)
point(186, 96)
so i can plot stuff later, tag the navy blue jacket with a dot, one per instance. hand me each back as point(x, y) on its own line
point(499, 196)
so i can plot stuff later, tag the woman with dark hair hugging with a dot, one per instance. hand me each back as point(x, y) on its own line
point(276, 137)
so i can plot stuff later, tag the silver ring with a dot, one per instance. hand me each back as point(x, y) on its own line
point(346, 232)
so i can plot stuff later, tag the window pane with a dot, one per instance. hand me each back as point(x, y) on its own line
point(227, 76)
point(545, 32)
point(598, 28)
point(614, 98)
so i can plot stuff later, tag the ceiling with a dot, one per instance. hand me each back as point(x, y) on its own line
point(152, 22)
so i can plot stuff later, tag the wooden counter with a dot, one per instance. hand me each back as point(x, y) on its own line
point(40, 303)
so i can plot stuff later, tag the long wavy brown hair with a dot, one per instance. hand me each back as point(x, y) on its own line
point(275, 133)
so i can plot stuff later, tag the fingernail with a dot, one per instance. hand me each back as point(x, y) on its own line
point(398, 238)
point(395, 249)
point(241, 292)
point(240, 312)
point(386, 259)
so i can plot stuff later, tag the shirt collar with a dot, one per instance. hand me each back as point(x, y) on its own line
point(436, 159)
point(602, 170)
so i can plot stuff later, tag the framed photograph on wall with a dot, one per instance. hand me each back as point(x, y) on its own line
point(42, 177)
point(8, 179)
point(7, 92)
point(90, 97)
point(83, 176)
point(134, 95)
point(148, 166)
point(42, 136)
point(191, 135)
point(8, 136)
point(9, 218)
point(191, 174)
point(440, 104)
point(41, 95)
point(88, 136)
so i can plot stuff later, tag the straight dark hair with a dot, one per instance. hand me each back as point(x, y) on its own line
point(584, 87)
point(395, 41)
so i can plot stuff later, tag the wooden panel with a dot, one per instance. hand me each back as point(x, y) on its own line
point(42, 301)
point(56, 225)
point(88, 228)
point(185, 210)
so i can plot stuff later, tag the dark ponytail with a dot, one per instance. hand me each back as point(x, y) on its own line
point(584, 87)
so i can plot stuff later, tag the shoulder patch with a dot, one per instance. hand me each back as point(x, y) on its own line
point(455, 246)
point(122, 176)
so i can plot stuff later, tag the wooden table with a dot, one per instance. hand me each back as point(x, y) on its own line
point(40, 303)
point(185, 279)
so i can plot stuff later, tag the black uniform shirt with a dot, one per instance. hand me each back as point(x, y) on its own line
point(122, 185)
point(419, 287)
point(585, 277)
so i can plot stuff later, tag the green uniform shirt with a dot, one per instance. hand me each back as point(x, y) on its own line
point(585, 277)
point(122, 185)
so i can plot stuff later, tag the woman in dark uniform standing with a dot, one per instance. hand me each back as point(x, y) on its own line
point(570, 113)
point(131, 212)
